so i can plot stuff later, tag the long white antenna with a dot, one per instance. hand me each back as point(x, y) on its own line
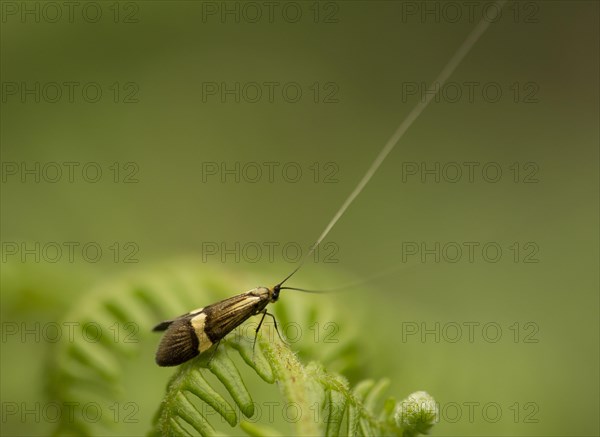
point(432, 91)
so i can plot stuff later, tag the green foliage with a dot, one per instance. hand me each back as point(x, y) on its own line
point(83, 371)
point(339, 410)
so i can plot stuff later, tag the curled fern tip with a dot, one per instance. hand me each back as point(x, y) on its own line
point(416, 414)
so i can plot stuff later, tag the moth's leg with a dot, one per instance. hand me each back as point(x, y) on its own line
point(264, 313)
point(276, 328)
point(213, 352)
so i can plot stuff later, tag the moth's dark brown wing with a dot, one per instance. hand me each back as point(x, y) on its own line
point(195, 332)
point(179, 344)
point(223, 317)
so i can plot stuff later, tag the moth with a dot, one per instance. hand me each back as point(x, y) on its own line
point(197, 331)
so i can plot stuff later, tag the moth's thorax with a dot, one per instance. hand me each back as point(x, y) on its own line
point(272, 294)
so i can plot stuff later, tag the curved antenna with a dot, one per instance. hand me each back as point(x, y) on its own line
point(308, 291)
point(373, 278)
point(432, 91)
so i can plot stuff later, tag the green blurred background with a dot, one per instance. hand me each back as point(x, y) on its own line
point(353, 62)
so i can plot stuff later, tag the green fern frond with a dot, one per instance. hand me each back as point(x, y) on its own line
point(82, 371)
point(324, 400)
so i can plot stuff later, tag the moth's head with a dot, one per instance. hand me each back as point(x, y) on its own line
point(275, 292)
